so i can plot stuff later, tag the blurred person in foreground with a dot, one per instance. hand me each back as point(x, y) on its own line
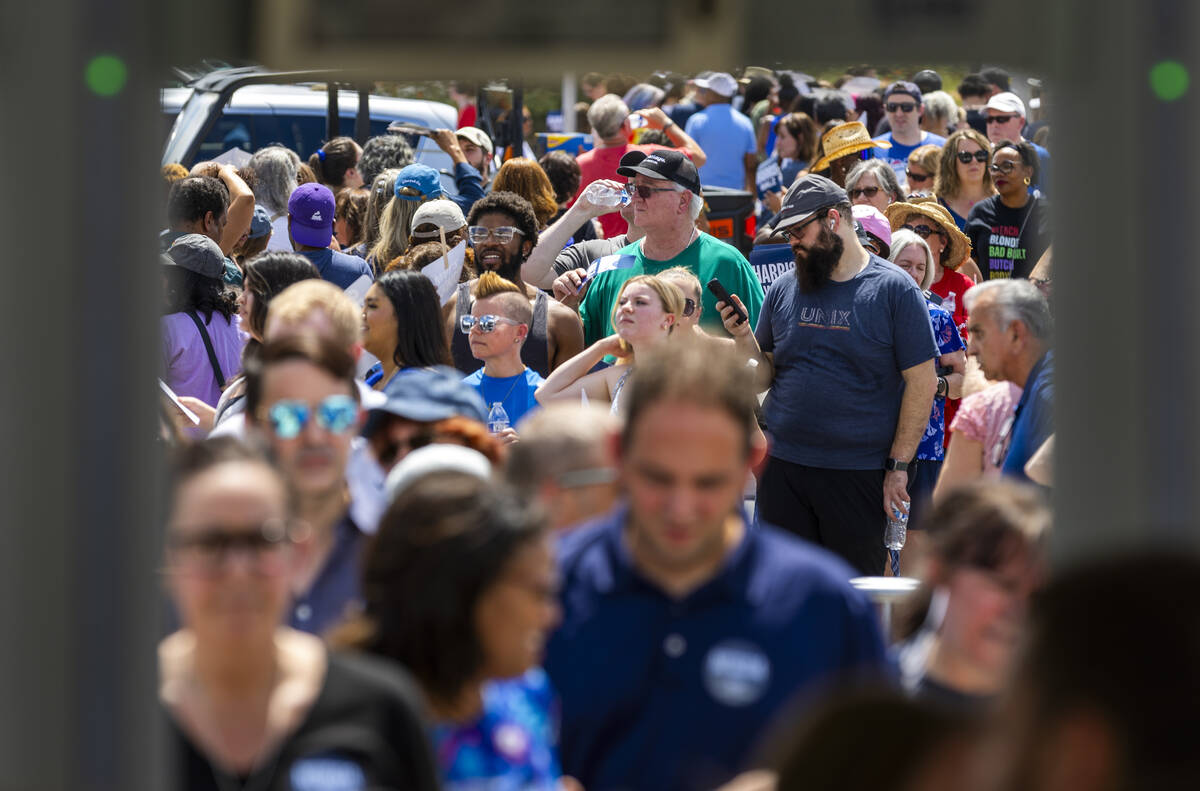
point(563, 462)
point(685, 631)
point(252, 703)
point(460, 588)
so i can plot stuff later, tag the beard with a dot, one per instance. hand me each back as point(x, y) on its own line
point(815, 264)
point(509, 266)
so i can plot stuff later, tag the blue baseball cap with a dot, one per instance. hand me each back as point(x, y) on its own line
point(426, 395)
point(260, 223)
point(421, 178)
point(311, 208)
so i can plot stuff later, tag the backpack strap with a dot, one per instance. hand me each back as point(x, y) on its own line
point(208, 347)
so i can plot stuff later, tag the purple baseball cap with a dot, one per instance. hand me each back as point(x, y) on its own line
point(311, 208)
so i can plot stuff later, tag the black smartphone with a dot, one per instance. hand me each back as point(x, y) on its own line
point(722, 295)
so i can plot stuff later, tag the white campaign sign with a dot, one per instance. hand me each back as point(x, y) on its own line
point(445, 271)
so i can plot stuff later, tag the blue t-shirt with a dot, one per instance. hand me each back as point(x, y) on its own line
point(511, 747)
point(897, 155)
point(945, 334)
point(839, 354)
point(1033, 421)
point(338, 268)
point(726, 137)
point(661, 692)
point(514, 392)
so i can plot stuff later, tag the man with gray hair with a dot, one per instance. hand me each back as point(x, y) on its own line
point(611, 129)
point(664, 188)
point(1010, 330)
point(275, 170)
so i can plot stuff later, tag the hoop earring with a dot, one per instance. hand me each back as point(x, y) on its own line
point(1027, 181)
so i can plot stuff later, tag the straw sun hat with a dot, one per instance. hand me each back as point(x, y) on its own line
point(845, 139)
point(958, 247)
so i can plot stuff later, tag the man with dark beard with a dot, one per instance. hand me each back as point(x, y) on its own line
point(503, 230)
point(846, 347)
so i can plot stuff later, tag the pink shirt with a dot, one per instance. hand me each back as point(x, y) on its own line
point(981, 416)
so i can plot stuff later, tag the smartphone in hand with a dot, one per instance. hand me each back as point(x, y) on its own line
point(719, 291)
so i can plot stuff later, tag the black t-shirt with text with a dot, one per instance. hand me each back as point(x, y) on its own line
point(1008, 242)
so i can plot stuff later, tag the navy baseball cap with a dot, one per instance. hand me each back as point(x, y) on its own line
point(903, 86)
point(421, 178)
point(311, 208)
point(426, 395)
point(663, 163)
point(807, 197)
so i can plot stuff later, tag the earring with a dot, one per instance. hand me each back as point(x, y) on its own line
point(1027, 181)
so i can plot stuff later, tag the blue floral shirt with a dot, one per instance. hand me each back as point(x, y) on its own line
point(513, 745)
point(948, 341)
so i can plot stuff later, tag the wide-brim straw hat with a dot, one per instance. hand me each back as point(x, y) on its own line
point(845, 139)
point(958, 247)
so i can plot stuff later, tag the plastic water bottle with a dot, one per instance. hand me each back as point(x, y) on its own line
point(896, 530)
point(604, 195)
point(497, 418)
point(950, 303)
point(637, 121)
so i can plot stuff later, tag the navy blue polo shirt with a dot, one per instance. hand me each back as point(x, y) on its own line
point(337, 585)
point(1033, 421)
point(664, 693)
point(338, 268)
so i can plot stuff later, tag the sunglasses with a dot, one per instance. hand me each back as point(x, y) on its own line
point(388, 454)
point(644, 192)
point(1001, 119)
point(336, 414)
point(869, 192)
point(211, 548)
point(796, 231)
point(917, 177)
point(485, 323)
point(904, 107)
point(923, 231)
point(504, 234)
point(1004, 167)
point(965, 157)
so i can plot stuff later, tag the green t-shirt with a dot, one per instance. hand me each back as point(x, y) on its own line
point(707, 257)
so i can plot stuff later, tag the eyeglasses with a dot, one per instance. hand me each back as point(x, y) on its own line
point(1001, 119)
point(796, 231)
point(209, 549)
point(644, 192)
point(1003, 167)
point(965, 157)
point(923, 231)
point(485, 323)
point(504, 234)
point(390, 452)
point(868, 192)
point(917, 177)
point(904, 107)
point(336, 414)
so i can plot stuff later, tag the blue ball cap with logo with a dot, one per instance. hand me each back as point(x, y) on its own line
point(421, 178)
point(425, 395)
point(311, 208)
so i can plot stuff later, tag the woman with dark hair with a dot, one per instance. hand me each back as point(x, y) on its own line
point(984, 556)
point(963, 178)
point(202, 338)
point(795, 145)
point(336, 164)
point(402, 325)
point(251, 703)
point(459, 588)
point(1010, 230)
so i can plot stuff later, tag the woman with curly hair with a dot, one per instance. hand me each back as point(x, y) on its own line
point(963, 178)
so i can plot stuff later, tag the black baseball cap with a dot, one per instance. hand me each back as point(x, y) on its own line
point(805, 198)
point(663, 163)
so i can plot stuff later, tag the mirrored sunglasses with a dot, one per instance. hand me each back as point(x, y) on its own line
point(336, 414)
point(485, 323)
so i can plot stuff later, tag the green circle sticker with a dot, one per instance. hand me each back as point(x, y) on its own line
point(106, 75)
point(1169, 80)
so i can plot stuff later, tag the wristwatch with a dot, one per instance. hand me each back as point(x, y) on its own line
point(895, 465)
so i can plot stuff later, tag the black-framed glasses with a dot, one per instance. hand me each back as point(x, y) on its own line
point(868, 192)
point(916, 177)
point(904, 107)
point(485, 323)
point(1001, 119)
point(644, 192)
point(504, 234)
point(965, 157)
point(794, 232)
point(922, 230)
point(1003, 168)
point(210, 548)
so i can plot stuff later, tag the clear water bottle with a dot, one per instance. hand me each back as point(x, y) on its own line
point(604, 195)
point(896, 530)
point(950, 303)
point(497, 418)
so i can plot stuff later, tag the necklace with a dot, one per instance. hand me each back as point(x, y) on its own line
point(511, 387)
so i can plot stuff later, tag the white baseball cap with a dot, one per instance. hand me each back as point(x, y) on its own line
point(1007, 102)
point(718, 82)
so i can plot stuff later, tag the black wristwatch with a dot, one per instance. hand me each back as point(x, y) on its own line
point(895, 465)
point(943, 387)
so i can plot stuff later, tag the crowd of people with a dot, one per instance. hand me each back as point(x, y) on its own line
point(536, 483)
